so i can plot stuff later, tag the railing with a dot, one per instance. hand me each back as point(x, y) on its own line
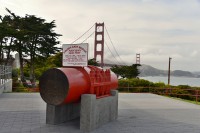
point(189, 94)
point(5, 74)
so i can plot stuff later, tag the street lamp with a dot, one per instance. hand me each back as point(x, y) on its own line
point(169, 70)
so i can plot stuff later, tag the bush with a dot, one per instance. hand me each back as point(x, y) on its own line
point(184, 87)
point(159, 84)
point(15, 73)
point(18, 86)
point(134, 85)
point(141, 85)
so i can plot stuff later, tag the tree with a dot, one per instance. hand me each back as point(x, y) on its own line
point(2, 35)
point(93, 62)
point(7, 33)
point(55, 60)
point(126, 71)
point(20, 36)
point(40, 40)
point(30, 36)
point(42, 64)
point(6, 38)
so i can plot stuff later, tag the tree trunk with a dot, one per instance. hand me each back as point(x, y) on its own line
point(32, 65)
point(21, 63)
point(32, 72)
point(1, 52)
point(9, 50)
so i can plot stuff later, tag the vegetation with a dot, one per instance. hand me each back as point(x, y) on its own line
point(17, 86)
point(141, 85)
point(126, 71)
point(93, 62)
point(32, 37)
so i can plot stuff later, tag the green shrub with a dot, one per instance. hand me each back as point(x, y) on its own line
point(134, 85)
point(159, 84)
point(184, 87)
point(15, 73)
point(141, 85)
point(18, 86)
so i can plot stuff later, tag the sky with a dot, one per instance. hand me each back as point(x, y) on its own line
point(157, 29)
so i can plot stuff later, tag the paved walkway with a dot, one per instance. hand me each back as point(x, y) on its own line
point(138, 113)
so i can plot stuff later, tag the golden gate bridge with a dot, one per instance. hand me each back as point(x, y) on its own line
point(102, 38)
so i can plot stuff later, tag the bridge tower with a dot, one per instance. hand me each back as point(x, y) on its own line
point(137, 59)
point(99, 40)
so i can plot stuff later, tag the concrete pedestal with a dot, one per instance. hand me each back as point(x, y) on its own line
point(96, 112)
point(93, 112)
point(62, 113)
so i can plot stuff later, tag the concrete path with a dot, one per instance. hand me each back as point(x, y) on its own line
point(138, 113)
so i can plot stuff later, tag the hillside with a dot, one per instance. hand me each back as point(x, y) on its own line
point(146, 70)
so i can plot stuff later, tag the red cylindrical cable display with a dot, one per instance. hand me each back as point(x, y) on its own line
point(66, 85)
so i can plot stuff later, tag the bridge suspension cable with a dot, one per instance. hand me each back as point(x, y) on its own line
point(88, 37)
point(114, 46)
point(115, 56)
point(112, 53)
point(83, 34)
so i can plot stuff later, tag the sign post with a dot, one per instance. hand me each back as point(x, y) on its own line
point(75, 55)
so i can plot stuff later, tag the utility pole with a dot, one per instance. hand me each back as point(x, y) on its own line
point(169, 70)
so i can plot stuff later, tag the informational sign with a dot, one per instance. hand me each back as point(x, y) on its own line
point(75, 54)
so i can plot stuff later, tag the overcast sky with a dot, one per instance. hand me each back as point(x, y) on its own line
point(157, 29)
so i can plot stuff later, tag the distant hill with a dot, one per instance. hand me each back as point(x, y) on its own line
point(180, 73)
point(146, 70)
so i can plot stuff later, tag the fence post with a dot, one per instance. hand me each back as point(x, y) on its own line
point(196, 91)
point(128, 86)
point(0, 75)
point(149, 87)
point(3, 74)
point(166, 91)
point(6, 73)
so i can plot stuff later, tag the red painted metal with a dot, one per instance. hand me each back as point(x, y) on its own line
point(137, 58)
point(99, 31)
point(80, 80)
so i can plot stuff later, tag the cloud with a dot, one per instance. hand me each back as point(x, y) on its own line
point(156, 29)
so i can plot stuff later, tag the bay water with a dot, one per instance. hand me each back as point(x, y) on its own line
point(194, 82)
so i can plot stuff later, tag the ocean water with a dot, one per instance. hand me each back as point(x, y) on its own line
point(195, 82)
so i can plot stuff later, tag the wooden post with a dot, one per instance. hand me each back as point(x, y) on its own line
point(169, 70)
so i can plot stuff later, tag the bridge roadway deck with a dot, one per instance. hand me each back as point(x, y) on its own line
point(138, 113)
